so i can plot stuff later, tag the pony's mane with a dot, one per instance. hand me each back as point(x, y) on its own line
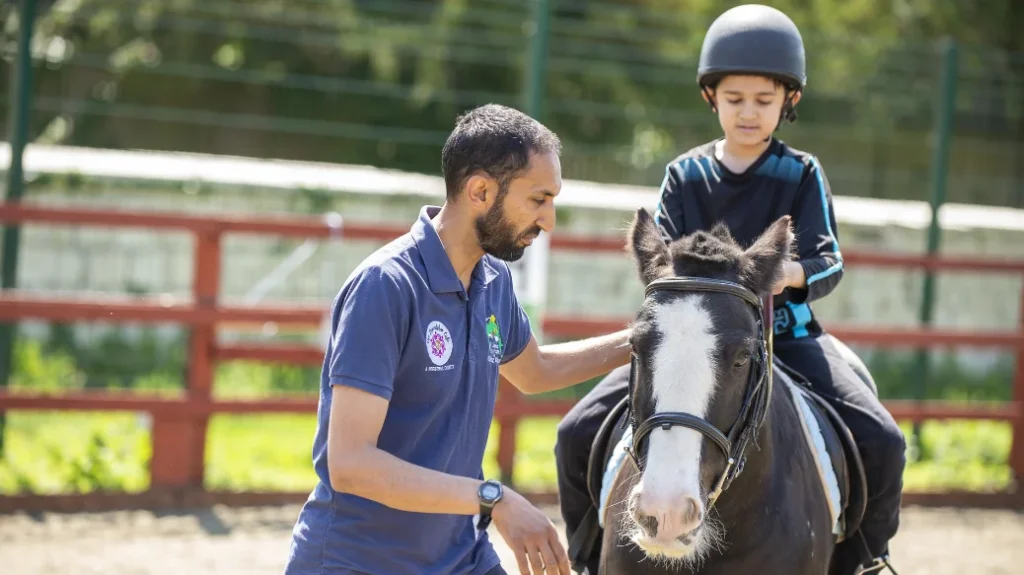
point(707, 253)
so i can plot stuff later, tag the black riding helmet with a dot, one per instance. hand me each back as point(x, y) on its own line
point(754, 39)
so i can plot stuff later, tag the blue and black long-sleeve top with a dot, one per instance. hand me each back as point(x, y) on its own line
point(699, 191)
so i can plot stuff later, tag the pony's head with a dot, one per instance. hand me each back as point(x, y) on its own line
point(694, 351)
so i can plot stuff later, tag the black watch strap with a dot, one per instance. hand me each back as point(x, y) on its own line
point(485, 519)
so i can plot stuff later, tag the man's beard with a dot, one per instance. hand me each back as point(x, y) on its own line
point(498, 238)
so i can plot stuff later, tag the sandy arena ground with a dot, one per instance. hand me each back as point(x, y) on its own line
point(254, 541)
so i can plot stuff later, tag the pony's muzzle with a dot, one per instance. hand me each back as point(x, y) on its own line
point(667, 519)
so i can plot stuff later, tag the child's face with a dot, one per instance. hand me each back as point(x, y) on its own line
point(749, 108)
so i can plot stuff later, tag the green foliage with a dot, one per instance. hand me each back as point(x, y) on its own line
point(380, 83)
point(126, 357)
point(64, 452)
point(74, 453)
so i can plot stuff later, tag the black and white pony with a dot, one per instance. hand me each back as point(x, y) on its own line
point(731, 465)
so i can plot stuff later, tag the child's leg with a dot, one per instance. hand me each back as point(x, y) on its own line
point(576, 433)
point(879, 438)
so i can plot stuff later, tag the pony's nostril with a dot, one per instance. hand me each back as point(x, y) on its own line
point(648, 523)
point(693, 511)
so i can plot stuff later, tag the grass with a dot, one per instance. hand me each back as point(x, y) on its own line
point(70, 452)
point(75, 453)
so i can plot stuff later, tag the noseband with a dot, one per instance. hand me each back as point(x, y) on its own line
point(735, 441)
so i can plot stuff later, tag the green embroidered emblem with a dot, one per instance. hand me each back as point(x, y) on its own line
point(494, 343)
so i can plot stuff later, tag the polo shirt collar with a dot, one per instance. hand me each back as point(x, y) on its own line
point(440, 272)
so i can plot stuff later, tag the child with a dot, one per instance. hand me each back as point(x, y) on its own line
point(752, 74)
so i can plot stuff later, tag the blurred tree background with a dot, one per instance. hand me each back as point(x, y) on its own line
point(380, 82)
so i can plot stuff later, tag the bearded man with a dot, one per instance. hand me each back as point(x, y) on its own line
point(419, 334)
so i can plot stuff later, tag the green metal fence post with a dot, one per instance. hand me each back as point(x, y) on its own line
point(537, 62)
point(944, 113)
point(21, 107)
point(535, 261)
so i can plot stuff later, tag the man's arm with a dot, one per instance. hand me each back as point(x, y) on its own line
point(820, 264)
point(370, 327)
point(556, 366)
point(358, 467)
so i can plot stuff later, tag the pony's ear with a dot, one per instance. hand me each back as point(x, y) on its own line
point(649, 250)
point(763, 265)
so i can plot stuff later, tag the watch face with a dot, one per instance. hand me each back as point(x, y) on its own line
point(490, 491)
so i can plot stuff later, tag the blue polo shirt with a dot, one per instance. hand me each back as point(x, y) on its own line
point(404, 328)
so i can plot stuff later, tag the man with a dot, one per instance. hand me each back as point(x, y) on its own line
point(419, 334)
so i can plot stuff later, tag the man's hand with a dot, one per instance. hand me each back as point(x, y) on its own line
point(530, 534)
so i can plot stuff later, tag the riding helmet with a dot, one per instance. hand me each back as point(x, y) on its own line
point(754, 39)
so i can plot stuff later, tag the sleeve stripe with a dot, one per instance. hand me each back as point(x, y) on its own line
point(824, 207)
point(836, 267)
point(660, 217)
point(822, 275)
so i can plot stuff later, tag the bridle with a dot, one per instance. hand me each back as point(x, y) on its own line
point(736, 440)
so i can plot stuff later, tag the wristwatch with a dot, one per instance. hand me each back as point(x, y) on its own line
point(489, 493)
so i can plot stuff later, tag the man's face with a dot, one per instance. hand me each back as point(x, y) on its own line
point(521, 211)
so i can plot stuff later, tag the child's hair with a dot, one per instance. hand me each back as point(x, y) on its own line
point(709, 85)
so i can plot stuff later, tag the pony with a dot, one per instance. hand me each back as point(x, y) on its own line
point(721, 474)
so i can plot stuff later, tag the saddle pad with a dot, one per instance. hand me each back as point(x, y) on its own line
point(816, 442)
point(812, 433)
point(611, 468)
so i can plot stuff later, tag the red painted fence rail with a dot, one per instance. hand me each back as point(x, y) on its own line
point(180, 423)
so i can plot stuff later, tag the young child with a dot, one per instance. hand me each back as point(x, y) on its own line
point(752, 74)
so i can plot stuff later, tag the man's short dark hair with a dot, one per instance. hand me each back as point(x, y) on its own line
point(494, 139)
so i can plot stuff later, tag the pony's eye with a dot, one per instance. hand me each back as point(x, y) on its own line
point(742, 359)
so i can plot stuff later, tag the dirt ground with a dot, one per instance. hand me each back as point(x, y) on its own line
point(255, 540)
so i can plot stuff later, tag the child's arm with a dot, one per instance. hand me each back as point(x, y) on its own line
point(820, 264)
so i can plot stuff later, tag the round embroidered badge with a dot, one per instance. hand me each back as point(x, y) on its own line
point(439, 343)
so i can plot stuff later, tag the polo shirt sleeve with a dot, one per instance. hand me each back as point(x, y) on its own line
point(367, 339)
point(519, 330)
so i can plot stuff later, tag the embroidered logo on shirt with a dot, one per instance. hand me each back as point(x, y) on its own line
point(495, 346)
point(439, 343)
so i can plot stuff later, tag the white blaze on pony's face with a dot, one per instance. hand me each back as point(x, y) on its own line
point(682, 379)
point(693, 353)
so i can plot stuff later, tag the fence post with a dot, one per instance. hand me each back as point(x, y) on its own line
point(21, 108)
point(944, 113)
point(539, 30)
point(1017, 445)
point(535, 262)
point(536, 258)
point(507, 424)
point(179, 439)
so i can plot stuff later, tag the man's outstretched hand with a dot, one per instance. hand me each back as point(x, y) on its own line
point(530, 535)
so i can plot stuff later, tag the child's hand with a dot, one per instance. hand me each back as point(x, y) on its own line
point(792, 276)
point(782, 285)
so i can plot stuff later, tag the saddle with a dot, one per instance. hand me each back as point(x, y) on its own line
point(840, 469)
